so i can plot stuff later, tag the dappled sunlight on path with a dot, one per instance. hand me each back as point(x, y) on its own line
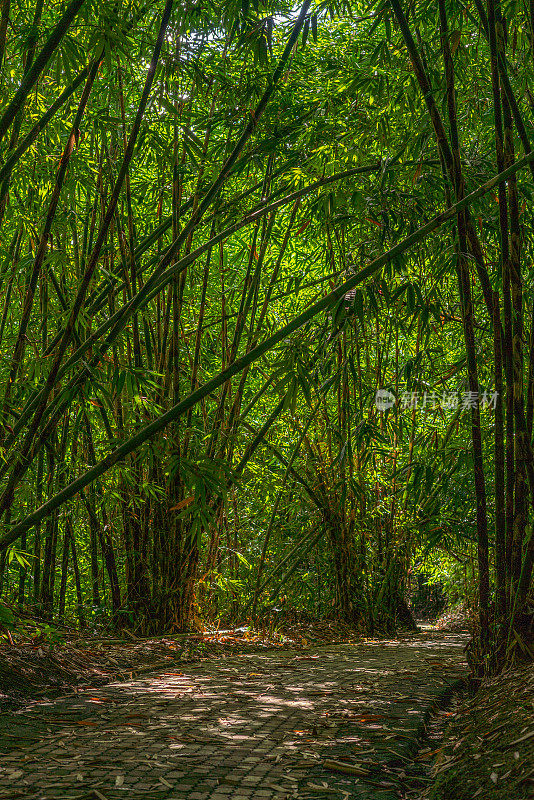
point(250, 726)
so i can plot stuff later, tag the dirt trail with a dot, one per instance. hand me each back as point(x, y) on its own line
point(250, 726)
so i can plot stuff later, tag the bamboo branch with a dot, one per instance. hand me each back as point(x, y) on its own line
point(160, 423)
point(38, 65)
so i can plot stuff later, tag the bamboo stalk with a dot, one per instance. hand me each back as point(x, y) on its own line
point(21, 465)
point(40, 125)
point(39, 64)
point(239, 364)
point(466, 306)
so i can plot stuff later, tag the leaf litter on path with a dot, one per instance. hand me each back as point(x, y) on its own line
point(304, 722)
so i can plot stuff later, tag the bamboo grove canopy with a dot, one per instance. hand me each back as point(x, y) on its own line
point(224, 228)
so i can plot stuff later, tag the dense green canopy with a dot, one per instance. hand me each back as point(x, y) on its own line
point(224, 228)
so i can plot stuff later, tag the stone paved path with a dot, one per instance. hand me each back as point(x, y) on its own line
point(238, 728)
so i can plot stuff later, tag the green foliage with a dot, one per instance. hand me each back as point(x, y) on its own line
point(7, 618)
point(242, 205)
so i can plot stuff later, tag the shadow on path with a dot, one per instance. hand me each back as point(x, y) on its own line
point(250, 726)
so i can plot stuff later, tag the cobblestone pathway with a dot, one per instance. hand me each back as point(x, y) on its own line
point(236, 728)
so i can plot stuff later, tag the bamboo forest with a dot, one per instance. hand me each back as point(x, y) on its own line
point(266, 399)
